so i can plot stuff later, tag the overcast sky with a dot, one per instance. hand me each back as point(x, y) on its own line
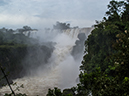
point(45, 13)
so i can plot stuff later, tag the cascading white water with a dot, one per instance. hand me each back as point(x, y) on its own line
point(62, 70)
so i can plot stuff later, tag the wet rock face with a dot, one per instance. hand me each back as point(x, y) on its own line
point(16, 61)
point(82, 36)
point(78, 48)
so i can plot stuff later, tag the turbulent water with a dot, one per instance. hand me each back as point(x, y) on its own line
point(61, 71)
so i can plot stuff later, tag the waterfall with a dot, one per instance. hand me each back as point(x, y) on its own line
point(73, 32)
point(62, 69)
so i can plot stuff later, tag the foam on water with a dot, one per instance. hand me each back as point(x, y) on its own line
point(61, 71)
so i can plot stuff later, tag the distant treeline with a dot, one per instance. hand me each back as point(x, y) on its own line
point(20, 53)
point(105, 65)
point(61, 26)
point(18, 36)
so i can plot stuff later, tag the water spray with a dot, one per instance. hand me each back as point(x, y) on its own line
point(7, 80)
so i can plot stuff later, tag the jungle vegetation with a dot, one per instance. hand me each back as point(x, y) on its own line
point(105, 66)
point(15, 47)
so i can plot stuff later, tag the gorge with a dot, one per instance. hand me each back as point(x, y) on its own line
point(53, 62)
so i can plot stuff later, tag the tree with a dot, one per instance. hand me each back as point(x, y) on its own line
point(26, 29)
point(112, 34)
point(105, 65)
point(61, 26)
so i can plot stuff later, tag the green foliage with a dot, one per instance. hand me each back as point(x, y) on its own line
point(14, 48)
point(121, 57)
point(61, 26)
point(54, 92)
point(105, 67)
point(57, 92)
point(18, 36)
point(17, 89)
point(107, 48)
point(99, 44)
point(20, 94)
point(101, 85)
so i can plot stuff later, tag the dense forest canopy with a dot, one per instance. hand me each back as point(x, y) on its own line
point(17, 46)
point(61, 26)
point(18, 36)
point(105, 67)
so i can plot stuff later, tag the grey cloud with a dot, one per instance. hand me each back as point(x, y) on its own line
point(41, 12)
point(3, 2)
